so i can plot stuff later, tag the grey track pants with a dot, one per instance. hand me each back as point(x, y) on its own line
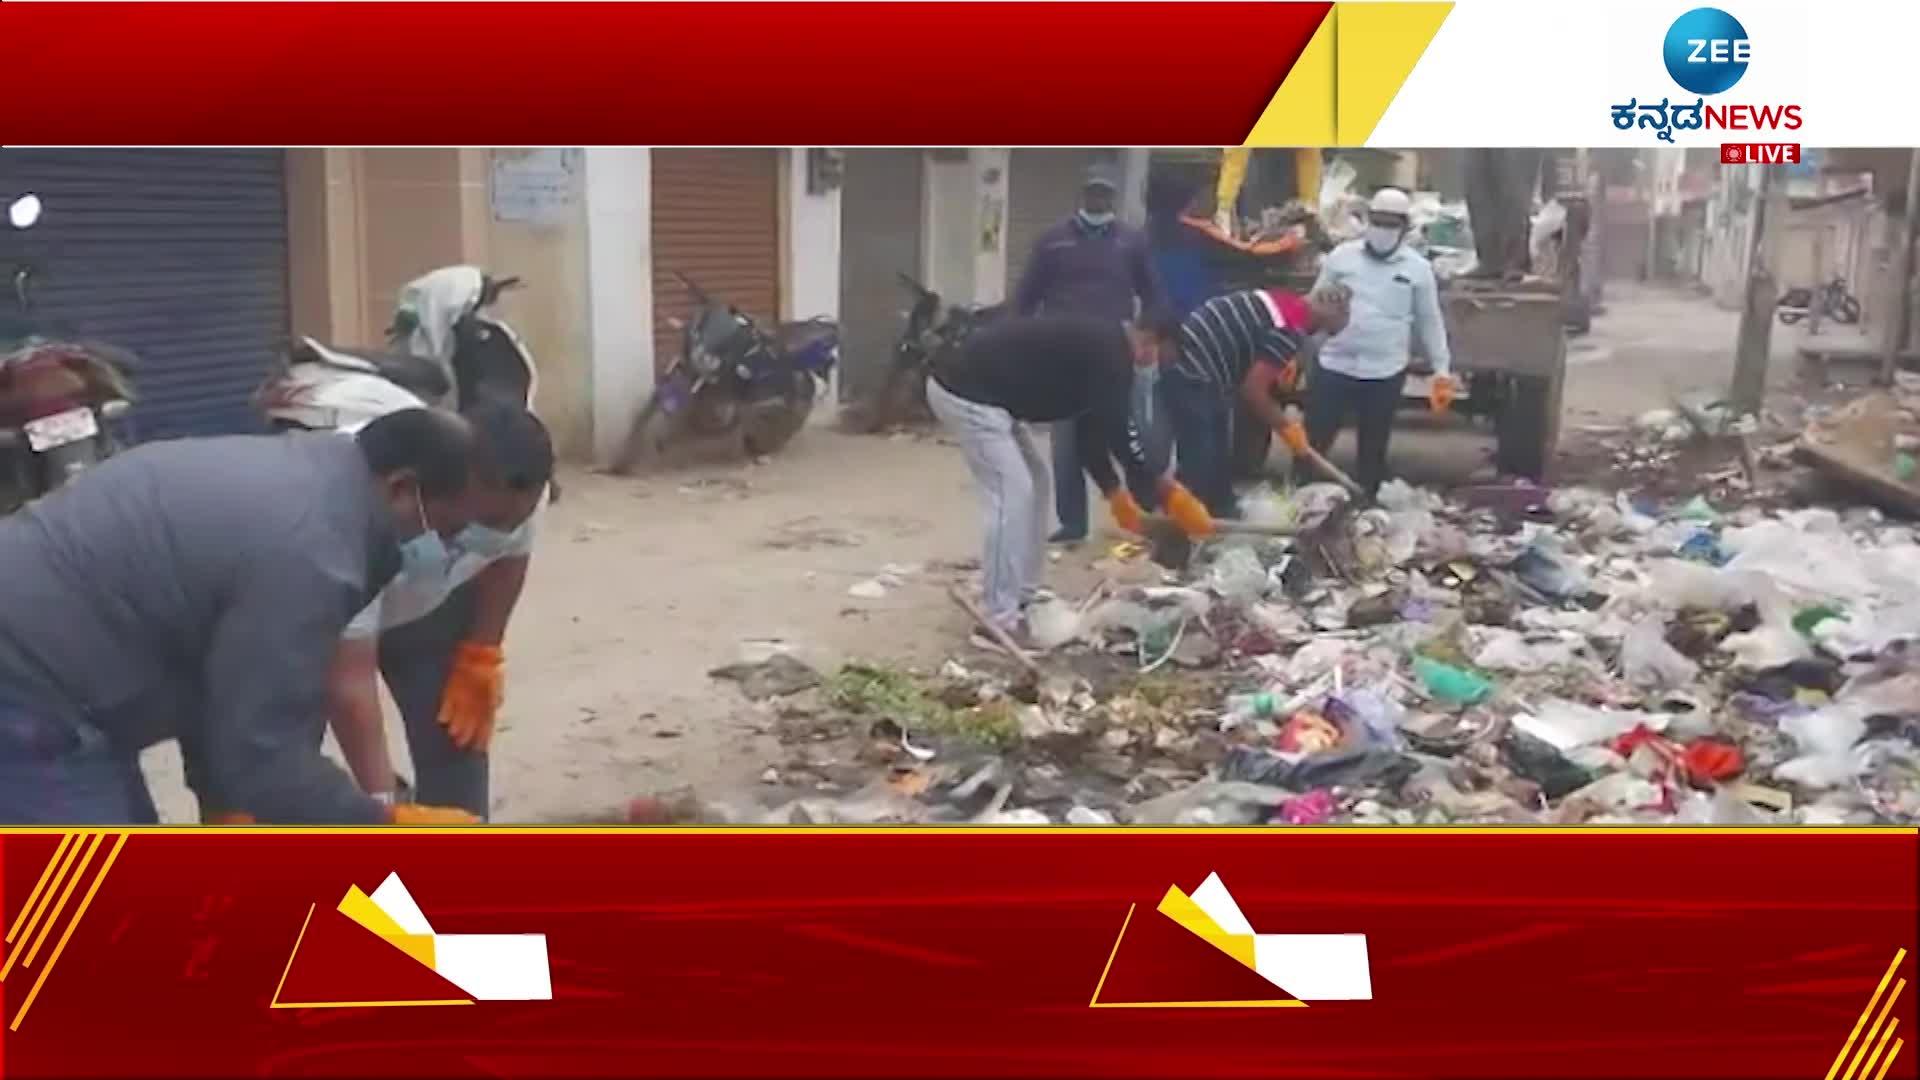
point(1015, 496)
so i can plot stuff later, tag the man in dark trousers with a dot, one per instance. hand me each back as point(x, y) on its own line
point(1072, 370)
point(1095, 266)
point(195, 590)
point(1241, 346)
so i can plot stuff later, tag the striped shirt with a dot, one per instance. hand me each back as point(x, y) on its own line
point(1224, 337)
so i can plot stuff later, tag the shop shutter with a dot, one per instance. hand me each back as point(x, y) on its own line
point(880, 226)
point(177, 255)
point(1043, 189)
point(716, 219)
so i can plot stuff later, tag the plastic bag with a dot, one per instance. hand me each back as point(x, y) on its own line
point(1506, 650)
point(1547, 569)
point(1826, 739)
point(1648, 661)
point(1238, 576)
point(1566, 725)
point(1052, 623)
point(1449, 684)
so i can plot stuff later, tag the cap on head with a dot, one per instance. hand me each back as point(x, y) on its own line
point(1391, 200)
point(1101, 176)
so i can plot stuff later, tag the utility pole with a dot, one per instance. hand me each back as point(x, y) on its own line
point(1756, 318)
point(1900, 319)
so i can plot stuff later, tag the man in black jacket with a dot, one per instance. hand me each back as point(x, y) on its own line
point(1071, 370)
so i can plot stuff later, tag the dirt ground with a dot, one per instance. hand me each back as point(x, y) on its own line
point(641, 586)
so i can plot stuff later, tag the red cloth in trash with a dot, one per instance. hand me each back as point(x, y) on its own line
point(1707, 761)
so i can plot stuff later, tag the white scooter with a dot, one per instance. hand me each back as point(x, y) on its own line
point(447, 351)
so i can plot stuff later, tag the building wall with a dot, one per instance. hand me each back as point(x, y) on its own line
point(810, 256)
point(619, 267)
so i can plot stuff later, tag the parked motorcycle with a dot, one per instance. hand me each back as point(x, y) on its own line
point(1837, 302)
point(446, 349)
point(59, 394)
point(930, 333)
point(731, 377)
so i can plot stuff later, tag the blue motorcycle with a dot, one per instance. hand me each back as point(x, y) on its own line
point(732, 378)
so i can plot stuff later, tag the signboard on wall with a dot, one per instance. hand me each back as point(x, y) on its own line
point(535, 187)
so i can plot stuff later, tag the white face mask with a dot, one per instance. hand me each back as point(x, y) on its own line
point(1097, 219)
point(1382, 239)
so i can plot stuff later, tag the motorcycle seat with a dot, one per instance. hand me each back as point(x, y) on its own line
point(414, 374)
point(795, 336)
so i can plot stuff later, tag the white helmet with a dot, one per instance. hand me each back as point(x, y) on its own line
point(1391, 200)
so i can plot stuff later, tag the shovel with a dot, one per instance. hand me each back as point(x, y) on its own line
point(1172, 548)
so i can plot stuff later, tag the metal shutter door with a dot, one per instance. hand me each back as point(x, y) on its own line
point(1043, 189)
point(879, 238)
point(716, 219)
point(178, 255)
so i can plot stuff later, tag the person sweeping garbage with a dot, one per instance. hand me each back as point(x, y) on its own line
point(1247, 344)
point(436, 632)
point(194, 591)
point(1059, 369)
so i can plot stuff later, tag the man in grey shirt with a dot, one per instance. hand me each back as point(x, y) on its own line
point(196, 590)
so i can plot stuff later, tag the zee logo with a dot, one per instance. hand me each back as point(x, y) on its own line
point(1707, 51)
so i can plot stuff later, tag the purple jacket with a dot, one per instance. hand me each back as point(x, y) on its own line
point(1082, 271)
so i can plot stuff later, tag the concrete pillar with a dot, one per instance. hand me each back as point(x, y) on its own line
point(809, 255)
point(619, 282)
point(323, 244)
point(1135, 165)
point(964, 232)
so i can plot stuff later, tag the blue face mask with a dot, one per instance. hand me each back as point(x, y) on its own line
point(486, 543)
point(1096, 220)
point(425, 557)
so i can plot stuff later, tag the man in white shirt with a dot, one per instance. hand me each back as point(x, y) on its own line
point(435, 634)
point(1363, 369)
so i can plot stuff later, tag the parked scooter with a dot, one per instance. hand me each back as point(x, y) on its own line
point(732, 378)
point(59, 395)
point(1837, 302)
point(930, 333)
point(446, 349)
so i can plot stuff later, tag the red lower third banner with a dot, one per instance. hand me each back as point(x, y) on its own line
point(1117, 953)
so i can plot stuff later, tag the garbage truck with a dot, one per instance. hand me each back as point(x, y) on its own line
point(1507, 327)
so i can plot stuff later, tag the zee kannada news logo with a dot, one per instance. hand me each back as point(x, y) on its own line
point(1707, 52)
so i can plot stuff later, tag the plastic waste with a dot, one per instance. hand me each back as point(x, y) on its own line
point(1246, 708)
point(1238, 576)
point(1566, 725)
point(1697, 509)
point(1722, 807)
point(1379, 715)
point(1313, 808)
point(1547, 569)
point(1508, 650)
point(1648, 661)
point(1449, 684)
point(1211, 802)
point(1545, 766)
point(1081, 815)
point(1052, 623)
point(1826, 739)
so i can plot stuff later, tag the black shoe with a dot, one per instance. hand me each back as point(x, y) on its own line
point(1067, 537)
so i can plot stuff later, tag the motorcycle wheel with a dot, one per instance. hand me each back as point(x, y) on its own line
point(1791, 317)
point(1847, 311)
point(771, 425)
point(647, 439)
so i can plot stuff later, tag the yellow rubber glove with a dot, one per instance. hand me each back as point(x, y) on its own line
point(1188, 512)
point(472, 696)
point(413, 815)
point(1126, 511)
point(1440, 393)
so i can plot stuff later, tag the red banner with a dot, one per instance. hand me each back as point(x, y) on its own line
point(1484, 953)
point(545, 74)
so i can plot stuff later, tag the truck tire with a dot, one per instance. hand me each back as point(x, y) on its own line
point(1527, 427)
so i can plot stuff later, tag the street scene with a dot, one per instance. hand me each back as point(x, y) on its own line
point(1008, 487)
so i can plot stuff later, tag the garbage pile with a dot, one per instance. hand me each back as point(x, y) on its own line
point(1508, 654)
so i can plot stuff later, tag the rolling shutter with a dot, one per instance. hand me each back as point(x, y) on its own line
point(879, 238)
point(177, 255)
point(716, 219)
point(1043, 189)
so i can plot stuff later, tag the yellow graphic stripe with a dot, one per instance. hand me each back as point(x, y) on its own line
point(1888, 1064)
point(33, 897)
point(1866, 1071)
point(1874, 1030)
point(33, 920)
point(65, 935)
point(276, 1003)
point(66, 891)
point(1096, 1003)
point(1356, 62)
point(1180, 907)
point(360, 907)
point(1854, 1036)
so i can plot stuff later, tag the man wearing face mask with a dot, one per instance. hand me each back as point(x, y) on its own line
point(194, 590)
point(1090, 265)
point(435, 632)
point(1362, 370)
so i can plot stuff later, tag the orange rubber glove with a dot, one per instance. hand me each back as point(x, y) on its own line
point(1294, 434)
point(1440, 393)
point(1126, 511)
point(229, 817)
point(472, 695)
point(413, 815)
point(1188, 512)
